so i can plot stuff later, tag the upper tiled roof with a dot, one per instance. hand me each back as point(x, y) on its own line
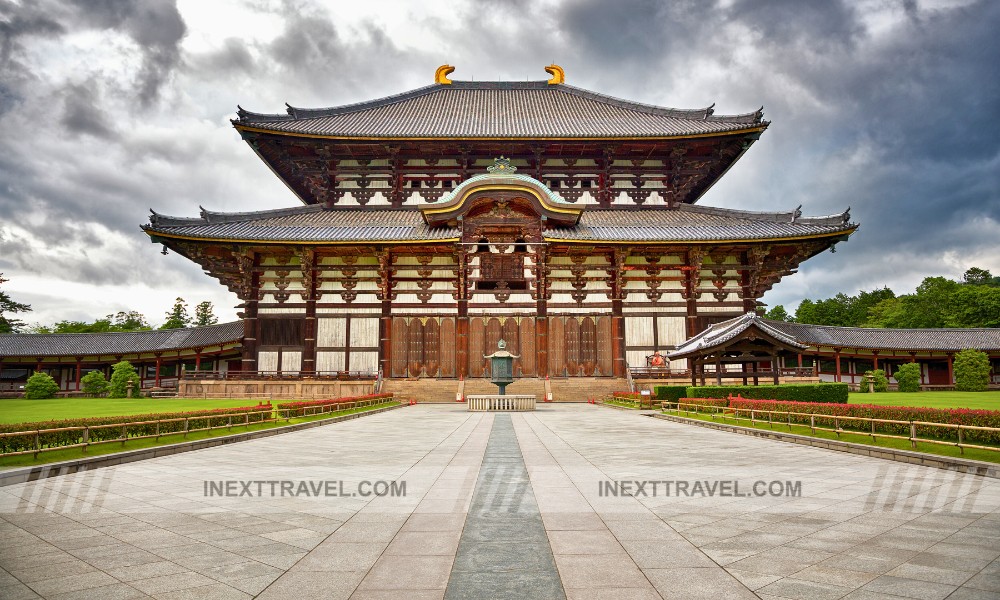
point(118, 342)
point(530, 110)
point(719, 333)
point(316, 224)
point(892, 339)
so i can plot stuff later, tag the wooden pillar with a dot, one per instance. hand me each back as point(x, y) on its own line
point(197, 360)
point(618, 338)
point(38, 364)
point(385, 339)
point(756, 377)
point(718, 369)
point(159, 363)
point(79, 368)
point(541, 313)
point(836, 360)
point(307, 259)
point(702, 363)
point(799, 359)
point(875, 360)
point(1, 373)
point(745, 367)
point(248, 362)
point(774, 368)
point(951, 369)
point(693, 365)
point(542, 345)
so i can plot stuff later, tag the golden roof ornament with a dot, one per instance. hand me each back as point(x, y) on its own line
point(557, 73)
point(501, 166)
point(442, 73)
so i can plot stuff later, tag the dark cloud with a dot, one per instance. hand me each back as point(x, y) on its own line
point(888, 108)
point(83, 113)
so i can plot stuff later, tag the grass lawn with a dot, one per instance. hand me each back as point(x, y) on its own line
point(985, 400)
point(27, 460)
point(853, 437)
point(19, 410)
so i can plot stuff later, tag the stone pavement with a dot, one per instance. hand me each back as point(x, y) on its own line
point(858, 527)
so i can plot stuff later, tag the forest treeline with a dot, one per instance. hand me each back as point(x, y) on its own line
point(937, 302)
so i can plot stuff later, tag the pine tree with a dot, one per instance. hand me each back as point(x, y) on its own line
point(204, 314)
point(177, 317)
point(7, 305)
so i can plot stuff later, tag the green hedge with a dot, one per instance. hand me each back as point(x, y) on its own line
point(670, 393)
point(835, 393)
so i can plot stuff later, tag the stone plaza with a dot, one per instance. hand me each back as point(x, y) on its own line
point(569, 501)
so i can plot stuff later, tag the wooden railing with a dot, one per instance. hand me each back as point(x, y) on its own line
point(495, 402)
point(242, 420)
point(755, 416)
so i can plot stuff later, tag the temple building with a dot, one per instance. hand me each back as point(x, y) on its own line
point(437, 221)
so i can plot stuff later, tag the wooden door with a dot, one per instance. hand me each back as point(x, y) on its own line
point(432, 348)
point(572, 333)
point(588, 345)
point(527, 346)
point(557, 347)
point(937, 373)
point(605, 347)
point(477, 343)
point(447, 347)
point(493, 332)
point(415, 356)
point(399, 336)
point(509, 334)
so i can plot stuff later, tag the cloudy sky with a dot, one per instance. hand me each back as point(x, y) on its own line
point(111, 107)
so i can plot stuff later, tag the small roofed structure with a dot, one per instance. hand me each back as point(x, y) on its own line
point(745, 340)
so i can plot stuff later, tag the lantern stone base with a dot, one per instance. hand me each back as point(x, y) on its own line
point(496, 402)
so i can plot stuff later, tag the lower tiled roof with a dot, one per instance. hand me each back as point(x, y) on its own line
point(118, 342)
point(952, 340)
point(316, 224)
point(719, 333)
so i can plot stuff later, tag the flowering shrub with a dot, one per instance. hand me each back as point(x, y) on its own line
point(54, 439)
point(298, 409)
point(954, 416)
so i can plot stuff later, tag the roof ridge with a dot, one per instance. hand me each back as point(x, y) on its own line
point(294, 113)
point(133, 332)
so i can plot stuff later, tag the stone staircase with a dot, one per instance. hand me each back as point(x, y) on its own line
point(422, 390)
point(581, 389)
point(564, 389)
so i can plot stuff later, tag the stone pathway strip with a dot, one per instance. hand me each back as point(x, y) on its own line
point(504, 553)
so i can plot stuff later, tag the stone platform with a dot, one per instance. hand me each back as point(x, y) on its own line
point(489, 496)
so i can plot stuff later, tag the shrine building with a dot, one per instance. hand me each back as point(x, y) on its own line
point(438, 221)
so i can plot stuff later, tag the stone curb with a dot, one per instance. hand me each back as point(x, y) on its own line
point(962, 465)
point(25, 474)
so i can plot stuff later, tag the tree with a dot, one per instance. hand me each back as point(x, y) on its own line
point(40, 386)
point(204, 314)
point(94, 384)
point(908, 377)
point(972, 371)
point(9, 306)
point(120, 321)
point(123, 377)
point(778, 313)
point(177, 317)
point(977, 276)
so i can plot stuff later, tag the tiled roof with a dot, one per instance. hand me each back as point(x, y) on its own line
point(892, 339)
point(720, 333)
point(530, 109)
point(305, 224)
point(317, 224)
point(119, 342)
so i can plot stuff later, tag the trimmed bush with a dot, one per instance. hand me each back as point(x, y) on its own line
point(144, 425)
point(705, 401)
point(298, 409)
point(94, 384)
point(835, 393)
point(908, 377)
point(123, 377)
point(972, 371)
point(670, 393)
point(40, 386)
